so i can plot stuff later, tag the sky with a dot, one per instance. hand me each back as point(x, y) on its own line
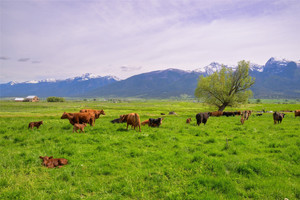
point(59, 39)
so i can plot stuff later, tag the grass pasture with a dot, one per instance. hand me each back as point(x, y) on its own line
point(222, 160)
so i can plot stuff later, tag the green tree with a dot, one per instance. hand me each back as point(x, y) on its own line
point(55, 99)
point(226, 87)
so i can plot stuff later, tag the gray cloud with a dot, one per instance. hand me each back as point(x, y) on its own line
point(126, 68)
point(4, 58)
point(23, 59)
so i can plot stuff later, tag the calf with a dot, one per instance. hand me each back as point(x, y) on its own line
point(188, 120)
point(278, 117)
point(217, 113)
point(51, 162)
point(79, 126)
point(155, 122)
point(202, 118)
point(35, 124)
point(145, 122)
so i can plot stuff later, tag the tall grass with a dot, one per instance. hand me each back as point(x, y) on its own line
point(221, 160)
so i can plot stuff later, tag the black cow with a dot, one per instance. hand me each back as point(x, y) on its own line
point(202, 118)
point(278, 117)
point(155, 122)
point(227, 114)
point(117, 121)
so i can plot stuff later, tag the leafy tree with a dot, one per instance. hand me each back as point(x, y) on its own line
point(55, 99)
point(226, 87)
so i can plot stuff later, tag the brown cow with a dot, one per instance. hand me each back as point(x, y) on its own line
point(79, 118)
point(278, 117)
point(188, 120)
point(246, 114)
point(132, 119)
point(297, 113)
point(242, 120)
point(51, 162)
point(35, 124)
point(79, 126)
point(217, 113)
point(145, 122)
point(96, 112)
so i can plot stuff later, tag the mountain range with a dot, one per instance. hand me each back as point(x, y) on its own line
point(278, 78)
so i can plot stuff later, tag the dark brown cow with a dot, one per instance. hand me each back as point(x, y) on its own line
point(297, 113)
point(35, 124)
point(227, 114)
point(132, 119)
point(79, 118)
point(278, 117)
point(188, 120)
point(155, 122)
point(202, 118)
point(51, 162)
point(217, 113)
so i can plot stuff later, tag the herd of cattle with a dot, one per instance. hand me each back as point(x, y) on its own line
point(88, 116)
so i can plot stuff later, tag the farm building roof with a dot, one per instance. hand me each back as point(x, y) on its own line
point(19, 99)
point(30, 97)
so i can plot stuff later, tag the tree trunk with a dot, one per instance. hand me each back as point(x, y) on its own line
point(223, 106)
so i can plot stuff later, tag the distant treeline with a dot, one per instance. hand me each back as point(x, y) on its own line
point(55, 99)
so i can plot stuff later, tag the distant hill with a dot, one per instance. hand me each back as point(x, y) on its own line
point(72, 87)
point(278, 78)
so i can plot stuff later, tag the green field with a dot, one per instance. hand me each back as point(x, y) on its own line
point(222, 160)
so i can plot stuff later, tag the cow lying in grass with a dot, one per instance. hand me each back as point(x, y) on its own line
point(35, 124)
point(79, 126)
point(51, 162)
point(132, 119)
point(79, 118)
point(145, 122)
point(188, 120)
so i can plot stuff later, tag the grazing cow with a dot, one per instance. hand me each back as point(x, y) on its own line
point(79, 118)
point(35, 124)
point(188, 120)
point(155, 122)
point(79, 126)
point(96, 112)
point(217, 113)
point(162, 114)
point(259, 114)
point(297, 113)
point(278, 117)
point(242, 119)
point(246, 114)
point(145, 122)
point(172, 113)
point(202, 118)
point(132, 119)
point(237, 112)
point(227, 114)
point(51, 162)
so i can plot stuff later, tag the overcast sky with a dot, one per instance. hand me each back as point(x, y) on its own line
point(59, 39)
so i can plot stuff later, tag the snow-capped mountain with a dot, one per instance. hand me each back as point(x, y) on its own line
point(278, 78)
point(75, 86)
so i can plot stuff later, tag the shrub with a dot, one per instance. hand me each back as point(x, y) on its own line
point(55, 99)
